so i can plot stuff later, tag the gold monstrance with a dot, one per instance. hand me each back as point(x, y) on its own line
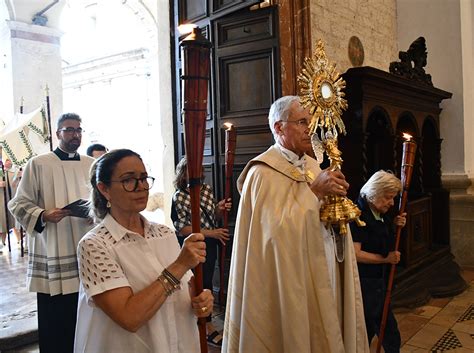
point(321, 91)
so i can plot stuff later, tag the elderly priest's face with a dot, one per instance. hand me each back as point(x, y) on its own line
point(294, 133)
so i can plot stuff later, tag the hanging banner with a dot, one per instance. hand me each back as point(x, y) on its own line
point(25, 136)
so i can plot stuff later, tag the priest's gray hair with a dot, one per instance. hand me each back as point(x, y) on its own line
point(280, 111)
point(101, 172)
point(379, 184)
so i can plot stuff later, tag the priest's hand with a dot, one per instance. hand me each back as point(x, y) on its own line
point(54, 215)
point(221, 234)
point(2, 184)
point(329, 183)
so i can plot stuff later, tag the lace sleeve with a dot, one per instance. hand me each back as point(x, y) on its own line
point(99, 271)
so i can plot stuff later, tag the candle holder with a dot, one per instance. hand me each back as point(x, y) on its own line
point(321, 92)
point(408, 162)
point(195, 55)
point(230, 143)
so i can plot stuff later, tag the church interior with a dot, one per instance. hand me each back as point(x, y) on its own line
point(408, 67)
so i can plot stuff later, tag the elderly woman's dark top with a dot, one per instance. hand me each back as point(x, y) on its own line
point(376, 237)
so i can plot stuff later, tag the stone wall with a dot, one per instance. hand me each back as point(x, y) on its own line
point(374, 22)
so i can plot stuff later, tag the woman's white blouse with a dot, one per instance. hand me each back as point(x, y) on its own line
point(110, 256)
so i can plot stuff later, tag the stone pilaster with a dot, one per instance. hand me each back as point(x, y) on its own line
point(461, 205)
point(35, 63)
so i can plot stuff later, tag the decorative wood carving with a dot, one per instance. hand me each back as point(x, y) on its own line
point(381, 107)
point(417, 55)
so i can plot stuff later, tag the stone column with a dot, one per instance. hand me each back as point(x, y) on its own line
point(35, 63)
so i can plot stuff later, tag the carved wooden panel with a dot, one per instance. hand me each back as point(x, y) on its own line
point(209, 143)
point(417, 245)
point(252, 140)
point(209, 174)
point(379, 148)
point(246, 81)
point(238, 31)
point(192, 10)
point(405, 106)
point(223, 7)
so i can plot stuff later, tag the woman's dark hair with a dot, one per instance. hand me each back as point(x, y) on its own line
point(101, 171)
point(181, 179)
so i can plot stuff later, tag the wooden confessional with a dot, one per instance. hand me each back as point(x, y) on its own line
point(382, 106)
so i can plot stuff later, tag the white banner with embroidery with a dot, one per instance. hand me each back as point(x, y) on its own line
point(25, 136)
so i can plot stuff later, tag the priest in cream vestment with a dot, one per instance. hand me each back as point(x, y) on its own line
point(286, 291)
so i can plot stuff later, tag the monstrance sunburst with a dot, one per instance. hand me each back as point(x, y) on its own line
point(321, 92)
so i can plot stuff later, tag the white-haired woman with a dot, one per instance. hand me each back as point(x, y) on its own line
point(374, 248)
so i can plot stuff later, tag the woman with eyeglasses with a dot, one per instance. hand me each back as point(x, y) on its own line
point(135, 293)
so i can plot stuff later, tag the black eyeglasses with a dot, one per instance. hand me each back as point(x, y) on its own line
point(71, 130)
point(131, 184)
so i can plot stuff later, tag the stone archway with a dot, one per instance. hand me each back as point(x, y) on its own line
point(145, 124)
point(153, 15)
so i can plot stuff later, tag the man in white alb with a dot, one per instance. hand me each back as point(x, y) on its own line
point(50, 182)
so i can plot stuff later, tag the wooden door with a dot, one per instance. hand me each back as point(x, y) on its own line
point(245, 80)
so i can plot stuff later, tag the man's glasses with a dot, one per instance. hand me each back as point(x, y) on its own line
point(302, 122)
point(71, 130)
point(131, 184)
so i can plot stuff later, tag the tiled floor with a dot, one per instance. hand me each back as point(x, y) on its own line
point(442, 325)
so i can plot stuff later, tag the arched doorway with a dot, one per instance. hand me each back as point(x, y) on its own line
point(111, 78)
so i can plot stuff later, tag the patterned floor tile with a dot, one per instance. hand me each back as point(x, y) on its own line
point(427, 311)
point(412, 349)
point(468, 274)
point(465, 326)
point(450, 314)
point(467, 315)
point(447, 342)
point(427, 336)
point(466, 340)
point(439, 302)
point(410, 325)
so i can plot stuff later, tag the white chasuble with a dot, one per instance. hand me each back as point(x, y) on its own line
point(280, 295)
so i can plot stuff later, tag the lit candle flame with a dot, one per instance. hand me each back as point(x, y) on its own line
point(228, 126)
point(186, 28)
point(407, 137)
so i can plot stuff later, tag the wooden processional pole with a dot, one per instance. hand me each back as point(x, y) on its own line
point(230, 142)
point(195, 56)
point(408, 161)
